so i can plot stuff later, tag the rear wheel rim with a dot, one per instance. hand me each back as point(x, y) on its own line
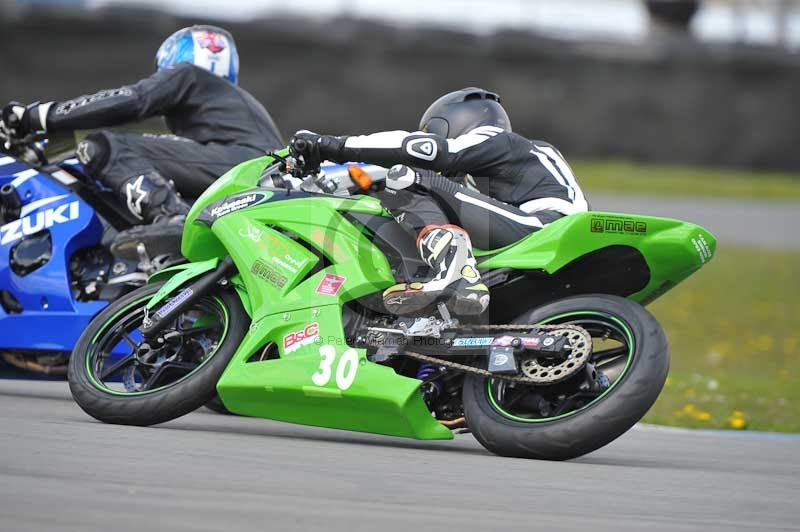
point(130, 373)
point(597, 323)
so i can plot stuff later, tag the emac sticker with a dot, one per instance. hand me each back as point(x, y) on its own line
point(268, 273)
point(617, 225)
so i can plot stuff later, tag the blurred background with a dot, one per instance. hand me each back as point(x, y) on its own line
point(687, 109)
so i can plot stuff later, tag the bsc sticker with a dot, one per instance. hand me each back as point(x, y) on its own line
point(330, 284)
point(295, 340)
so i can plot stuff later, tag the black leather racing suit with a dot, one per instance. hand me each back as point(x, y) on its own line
point(514, 186)
point(215, 124)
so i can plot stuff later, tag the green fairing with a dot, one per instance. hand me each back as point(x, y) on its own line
point(671, 248)
point(379, 400)
point(284, 300)
point(177, 276)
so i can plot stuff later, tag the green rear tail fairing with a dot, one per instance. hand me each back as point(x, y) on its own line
point(301, 258)
point(667, 251)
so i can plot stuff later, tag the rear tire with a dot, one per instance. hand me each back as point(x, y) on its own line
point(159, 405)
point(594, 425)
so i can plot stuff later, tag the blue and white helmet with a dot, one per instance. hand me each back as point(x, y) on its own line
point(208, 47)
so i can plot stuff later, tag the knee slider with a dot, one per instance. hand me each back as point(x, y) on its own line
point(399, 177)
point(94, 152)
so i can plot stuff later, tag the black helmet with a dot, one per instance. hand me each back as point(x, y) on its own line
point(462, 111)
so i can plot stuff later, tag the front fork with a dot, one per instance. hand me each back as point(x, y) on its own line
point(156, 323)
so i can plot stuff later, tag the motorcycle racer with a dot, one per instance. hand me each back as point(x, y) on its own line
point(512, 187)
point(215, 125)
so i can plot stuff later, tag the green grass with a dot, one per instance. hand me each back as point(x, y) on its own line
point(632, 178)
point(734, 332)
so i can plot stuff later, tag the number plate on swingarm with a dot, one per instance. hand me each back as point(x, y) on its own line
point(536, 343)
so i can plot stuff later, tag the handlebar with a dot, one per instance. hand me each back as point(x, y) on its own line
point(26, 148)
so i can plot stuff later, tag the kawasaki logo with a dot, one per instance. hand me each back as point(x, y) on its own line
point(235, 204)
point(16, 229)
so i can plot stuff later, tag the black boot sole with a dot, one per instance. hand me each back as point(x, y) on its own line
point(159, 239)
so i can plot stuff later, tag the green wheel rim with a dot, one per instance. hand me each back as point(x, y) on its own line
point(89, 357)
point(620, 378)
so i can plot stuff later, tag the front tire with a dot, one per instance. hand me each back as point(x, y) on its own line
point(119, 395)
point(216, 405)
point(599, 421)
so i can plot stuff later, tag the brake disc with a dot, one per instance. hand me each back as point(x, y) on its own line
point(543, 371)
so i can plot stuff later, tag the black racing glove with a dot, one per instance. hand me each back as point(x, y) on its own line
point(24, 120)
point(314, 148)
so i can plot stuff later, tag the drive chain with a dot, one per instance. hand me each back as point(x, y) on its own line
point(579, 352)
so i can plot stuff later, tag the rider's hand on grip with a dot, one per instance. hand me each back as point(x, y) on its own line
point(12, 115)
point(305, 144)
point(24, 120)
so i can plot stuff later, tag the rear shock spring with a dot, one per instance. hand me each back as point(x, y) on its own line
point(431, 387)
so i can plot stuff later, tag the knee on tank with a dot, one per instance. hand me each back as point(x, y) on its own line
point(94, 151)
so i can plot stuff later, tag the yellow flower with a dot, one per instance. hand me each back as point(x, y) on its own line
point(736, 420)
point(702, 416)
point(737, 423)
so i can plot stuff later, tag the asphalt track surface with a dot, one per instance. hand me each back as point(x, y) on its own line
point(61, 470)
point(766, 224)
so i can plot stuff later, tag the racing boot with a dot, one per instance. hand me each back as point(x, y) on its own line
point(448, 250)
point(152, 199)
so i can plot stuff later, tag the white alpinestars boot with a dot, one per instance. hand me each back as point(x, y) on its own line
point(448, 250)
point(154, 200)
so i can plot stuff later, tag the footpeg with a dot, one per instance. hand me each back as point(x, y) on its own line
point(145, 264)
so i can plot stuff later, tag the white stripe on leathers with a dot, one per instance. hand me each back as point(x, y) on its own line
point(473, 138)
point(530, 221)
point(579, 199)
point(554, 172)
point(385, 140)
point(395, 139)
point(551, 204)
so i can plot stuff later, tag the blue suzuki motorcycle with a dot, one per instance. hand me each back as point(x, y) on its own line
point(56, 271)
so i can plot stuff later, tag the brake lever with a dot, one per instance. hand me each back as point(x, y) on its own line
point(280, 158)
point(300, 170)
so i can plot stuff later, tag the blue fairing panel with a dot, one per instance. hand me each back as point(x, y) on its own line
point(51, 318)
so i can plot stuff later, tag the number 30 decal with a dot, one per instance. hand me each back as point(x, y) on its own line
point(345, 369)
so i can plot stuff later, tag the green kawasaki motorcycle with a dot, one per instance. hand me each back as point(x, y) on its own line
point(278, 311)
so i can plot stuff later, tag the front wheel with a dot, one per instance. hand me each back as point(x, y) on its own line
point(625, 373)
point(118, 377)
